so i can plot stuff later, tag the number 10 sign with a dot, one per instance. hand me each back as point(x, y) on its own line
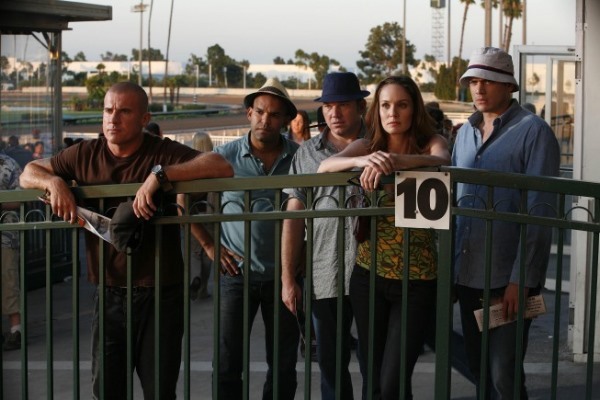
point(422, 199)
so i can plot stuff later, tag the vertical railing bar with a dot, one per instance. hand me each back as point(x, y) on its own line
point(24, 317)
point(186, 299)
point(445, 305)
point(129, 326)
point(486, 296)
point(157, 308)
point(341, 286)
point(216, 303)
point(101, 313)
point(246, 275)
point(372, 278)
point(444, 314)
point(75, 272)
point(521, 296)
point(592, 303)
point(557, 300)
point(308, 289)
point(276, 297)
point(49, 318)
point(404, 324)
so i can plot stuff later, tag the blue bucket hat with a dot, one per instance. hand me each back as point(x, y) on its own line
point(341, 86)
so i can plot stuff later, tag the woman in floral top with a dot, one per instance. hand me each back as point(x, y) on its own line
point(401, 135)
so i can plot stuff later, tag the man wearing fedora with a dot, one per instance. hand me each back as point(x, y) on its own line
point(500, 136)
point(343, 106)
point(264, 151)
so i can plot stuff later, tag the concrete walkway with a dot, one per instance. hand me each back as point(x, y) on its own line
point(571, 379)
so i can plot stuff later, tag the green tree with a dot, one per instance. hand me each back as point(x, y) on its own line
point(109, 56)
point(278, 61)
point(4, 64)
point(255, 81)
point(383, 52)
point(96, 87)
point(216, 57)
point(320, 64)
point(193, 61)
point(446, 78)
point(152, 55)
point(80, 56)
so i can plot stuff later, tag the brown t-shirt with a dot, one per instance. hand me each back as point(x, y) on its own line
point(91, 163)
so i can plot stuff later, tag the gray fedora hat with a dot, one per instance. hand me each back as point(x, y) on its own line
point(492, 64)
point(273, 87)
point(341, 86)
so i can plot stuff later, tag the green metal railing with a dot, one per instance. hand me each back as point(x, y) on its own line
point(563, 223)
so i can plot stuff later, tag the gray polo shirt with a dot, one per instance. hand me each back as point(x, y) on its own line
point(325, 255)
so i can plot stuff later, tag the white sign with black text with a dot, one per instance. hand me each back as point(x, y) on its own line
point(422, 199)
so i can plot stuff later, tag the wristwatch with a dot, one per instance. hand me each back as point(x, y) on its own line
point(161, 176)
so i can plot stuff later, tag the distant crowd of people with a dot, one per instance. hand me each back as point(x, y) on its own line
point(395, 131)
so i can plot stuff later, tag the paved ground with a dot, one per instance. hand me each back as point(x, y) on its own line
point(571, 376)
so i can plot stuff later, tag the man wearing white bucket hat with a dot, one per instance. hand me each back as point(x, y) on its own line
point(500, 136)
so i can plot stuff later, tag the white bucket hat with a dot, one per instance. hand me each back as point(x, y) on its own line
point(492, 64)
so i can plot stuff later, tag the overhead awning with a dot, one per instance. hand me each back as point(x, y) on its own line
point(27, 16)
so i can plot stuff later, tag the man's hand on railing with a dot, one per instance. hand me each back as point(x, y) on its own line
point(61, 200)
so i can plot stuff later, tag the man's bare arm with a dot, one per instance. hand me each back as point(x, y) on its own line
point(205, 165)
point(39, 174)
point(291, 246)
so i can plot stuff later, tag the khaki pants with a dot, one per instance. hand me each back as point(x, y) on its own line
point(10, 281)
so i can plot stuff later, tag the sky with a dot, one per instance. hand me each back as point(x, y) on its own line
point(260, 30)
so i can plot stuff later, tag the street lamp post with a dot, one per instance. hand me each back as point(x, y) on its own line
point(196, 87)
point(140, 8)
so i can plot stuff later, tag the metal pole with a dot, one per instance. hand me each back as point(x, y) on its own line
point(524, 22)
point(141, 43)
point(500, 25)
point(140, 8)
point(404, 69)
point(488, 23)
point(449, 55)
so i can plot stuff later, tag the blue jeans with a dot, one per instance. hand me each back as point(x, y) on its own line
point(231, 340)
point(115, 335)
point(324, 313)
point(388, 328)
point(501, 350)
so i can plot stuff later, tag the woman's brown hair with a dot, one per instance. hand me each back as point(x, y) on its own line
point(422, 127)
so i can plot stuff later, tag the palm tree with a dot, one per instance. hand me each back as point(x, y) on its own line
point(512, 9)
point(467, 3)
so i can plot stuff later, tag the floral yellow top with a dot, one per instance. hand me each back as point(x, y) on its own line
point(390, 253)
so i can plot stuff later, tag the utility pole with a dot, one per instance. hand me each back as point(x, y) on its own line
point(140, 8)
point(404, 69)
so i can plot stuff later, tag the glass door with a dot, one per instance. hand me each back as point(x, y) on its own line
point(546, 75)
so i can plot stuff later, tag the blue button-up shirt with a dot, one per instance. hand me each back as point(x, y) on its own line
point(522, 143)
point(245, 164)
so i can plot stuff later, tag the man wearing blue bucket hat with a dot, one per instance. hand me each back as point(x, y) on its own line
point(343, 107)
point(500, 136)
